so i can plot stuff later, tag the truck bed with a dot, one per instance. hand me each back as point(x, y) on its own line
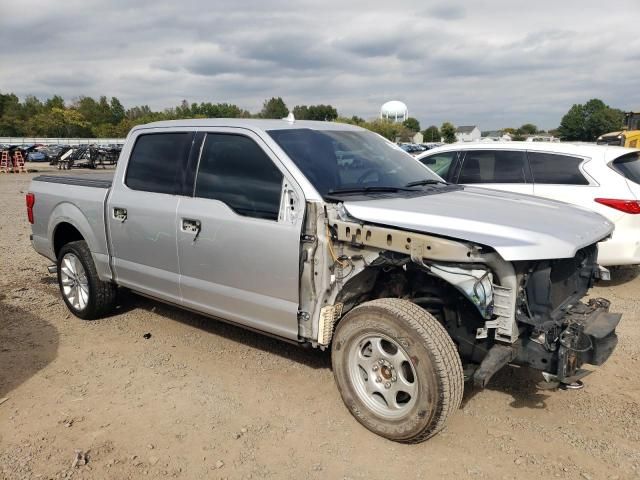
point(77, 200)
point(96, 180)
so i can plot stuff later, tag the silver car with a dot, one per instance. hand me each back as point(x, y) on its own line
point(330, 236)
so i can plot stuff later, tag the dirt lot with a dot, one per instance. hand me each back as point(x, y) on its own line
point(201, 399)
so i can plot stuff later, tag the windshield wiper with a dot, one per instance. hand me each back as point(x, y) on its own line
point(372, 189)
point(426, 181)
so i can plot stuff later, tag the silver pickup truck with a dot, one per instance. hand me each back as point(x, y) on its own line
point(329, 236)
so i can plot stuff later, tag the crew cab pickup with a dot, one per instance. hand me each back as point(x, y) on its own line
point(328, 235)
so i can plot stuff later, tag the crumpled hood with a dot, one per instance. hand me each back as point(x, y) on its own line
point(518, 227)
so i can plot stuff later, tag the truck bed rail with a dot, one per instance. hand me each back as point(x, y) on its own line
point(82, 181)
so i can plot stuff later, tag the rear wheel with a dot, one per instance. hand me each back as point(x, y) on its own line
point(85, 294)
point(397, 369)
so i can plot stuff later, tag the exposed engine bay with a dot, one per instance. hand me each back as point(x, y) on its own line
point(497, 312)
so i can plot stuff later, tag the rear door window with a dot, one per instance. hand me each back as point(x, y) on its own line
point(236, 171)
point(552, 168)
point(156, 160)
point(629, 166)
point(441, 163)
point(493, 166)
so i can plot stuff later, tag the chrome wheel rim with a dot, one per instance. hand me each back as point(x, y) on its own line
point(382, 375)
point(74, 283)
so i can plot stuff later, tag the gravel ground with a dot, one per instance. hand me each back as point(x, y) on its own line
point(202, 399)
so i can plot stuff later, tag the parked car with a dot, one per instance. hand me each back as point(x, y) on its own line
point(37, 156)
point(412, 148)
point(431, 145)
point(402, 276)
point(603, 179)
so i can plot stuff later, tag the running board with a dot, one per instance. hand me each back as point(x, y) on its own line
point(52, 268)
point(497, 357)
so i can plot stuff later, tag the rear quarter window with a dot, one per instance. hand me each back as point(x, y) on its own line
point(629, 166)
point(552, 168)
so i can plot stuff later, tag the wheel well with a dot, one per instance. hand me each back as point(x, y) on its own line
point(65, 233)
point(452, 309)
point(396, 282)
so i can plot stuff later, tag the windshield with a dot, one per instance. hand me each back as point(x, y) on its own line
point(335, 160)
point(629, 166)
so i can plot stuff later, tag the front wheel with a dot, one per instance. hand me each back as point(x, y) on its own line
point(85, 294)
point(397, 369)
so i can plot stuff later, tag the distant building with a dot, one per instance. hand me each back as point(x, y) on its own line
point(467, 133)
point(415, 138)
point(496, 136)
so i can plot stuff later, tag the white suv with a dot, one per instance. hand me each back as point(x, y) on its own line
point(601, 178)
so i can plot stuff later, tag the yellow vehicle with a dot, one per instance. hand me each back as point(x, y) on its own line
point(628, 137)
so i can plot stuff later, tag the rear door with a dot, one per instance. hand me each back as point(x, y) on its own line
point(498, 169)
point(239, 235)
point(141, 213)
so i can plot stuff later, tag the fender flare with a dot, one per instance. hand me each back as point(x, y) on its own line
point(67, 212)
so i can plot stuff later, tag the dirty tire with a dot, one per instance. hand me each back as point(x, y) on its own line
point(102, 295)
point(433, 355)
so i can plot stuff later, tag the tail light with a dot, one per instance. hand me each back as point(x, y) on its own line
point(626, 206)
point(31, 200)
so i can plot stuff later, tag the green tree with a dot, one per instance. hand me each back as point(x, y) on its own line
point(106, 130)
point(431, 134)
point(323, 113)
point(181, 111)
point(6, 100)
point(301, 112)
point(274, 108)
point(31, 106)
point(104, 111)
point(587, 122)
point(528, 129)
point(59, 123)
point(54, 102)
point(354, 120)
point(448, 131)
point(11, 121)
point(117, 111)
point(138, 112)
point(387, 128)
point(412, 124)
point(88, 108)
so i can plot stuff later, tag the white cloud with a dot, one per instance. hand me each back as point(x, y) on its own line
point(493, 63)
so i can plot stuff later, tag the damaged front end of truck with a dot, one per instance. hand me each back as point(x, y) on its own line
point(498, 312)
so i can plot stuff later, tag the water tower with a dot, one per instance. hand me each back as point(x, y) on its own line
point(394, 110)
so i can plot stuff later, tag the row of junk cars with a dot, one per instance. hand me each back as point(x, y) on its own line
point(67, 156)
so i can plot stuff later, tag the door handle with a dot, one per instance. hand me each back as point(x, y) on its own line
point(191, 226)
point(120, 214)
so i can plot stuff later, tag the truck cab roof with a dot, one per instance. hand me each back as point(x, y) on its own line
point(251, 124)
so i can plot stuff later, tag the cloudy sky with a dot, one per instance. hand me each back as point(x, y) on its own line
point(491, 63)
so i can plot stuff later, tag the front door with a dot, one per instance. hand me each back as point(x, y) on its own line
point(442, 163)
point(238, 243)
